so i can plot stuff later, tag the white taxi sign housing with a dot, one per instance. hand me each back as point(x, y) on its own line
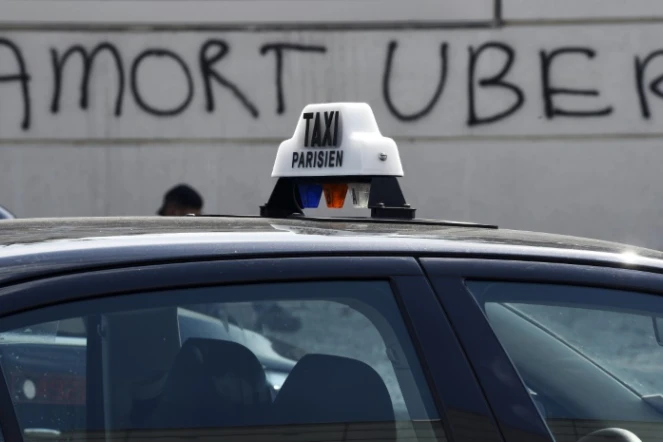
point(337, 139)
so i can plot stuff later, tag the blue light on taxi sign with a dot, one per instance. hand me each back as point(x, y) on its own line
point(310, 195)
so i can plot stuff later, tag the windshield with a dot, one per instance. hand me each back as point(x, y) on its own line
point(622, 343)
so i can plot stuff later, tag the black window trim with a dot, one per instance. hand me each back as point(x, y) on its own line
point(546, 273)
point(410, 288)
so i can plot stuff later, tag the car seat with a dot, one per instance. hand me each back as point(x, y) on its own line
point(332, 389)
point(212, 383)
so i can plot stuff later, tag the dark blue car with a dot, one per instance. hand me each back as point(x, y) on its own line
point(410, 330)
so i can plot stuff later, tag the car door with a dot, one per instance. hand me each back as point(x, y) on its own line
point(564, 352)
point(315, 348)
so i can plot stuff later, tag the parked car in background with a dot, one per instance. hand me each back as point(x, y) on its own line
point(46, 367)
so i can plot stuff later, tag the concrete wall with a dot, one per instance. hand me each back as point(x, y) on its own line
point(541, 118)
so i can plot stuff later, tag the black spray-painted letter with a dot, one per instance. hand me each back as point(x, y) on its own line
point(159, 53)
point(88, 59)
point(386, 79)
point(654, 86)
point(496, 81)
point(210, 53)
point(278, 49)
point(22, 76)
point(550, 91)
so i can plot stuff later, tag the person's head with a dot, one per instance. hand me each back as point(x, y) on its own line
point(181, 200)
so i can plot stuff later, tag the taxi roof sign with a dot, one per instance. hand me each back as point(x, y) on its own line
point(337, 139)
point(337, 148)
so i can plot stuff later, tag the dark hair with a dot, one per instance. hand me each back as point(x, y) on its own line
point(182, 195)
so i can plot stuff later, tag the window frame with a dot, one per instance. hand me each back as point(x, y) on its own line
point(448, 276)
point(420, 310)
point(238, 14)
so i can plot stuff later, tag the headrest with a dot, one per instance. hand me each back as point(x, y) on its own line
point(213, 383)
point(217, 358)
point(324, 389)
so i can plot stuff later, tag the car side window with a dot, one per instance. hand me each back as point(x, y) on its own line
point(591, 358)
point(329, 358)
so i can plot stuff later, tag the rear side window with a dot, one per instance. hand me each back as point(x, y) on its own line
point(331, 359)
point(592, 358)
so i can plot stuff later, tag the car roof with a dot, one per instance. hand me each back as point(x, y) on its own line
point(38, 247)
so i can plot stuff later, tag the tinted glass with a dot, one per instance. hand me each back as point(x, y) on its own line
point(322, 358)
point(589, 356)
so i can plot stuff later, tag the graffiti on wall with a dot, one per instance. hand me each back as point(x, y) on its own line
point(460, 73)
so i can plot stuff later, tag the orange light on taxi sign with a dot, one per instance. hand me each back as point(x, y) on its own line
point(335, 194)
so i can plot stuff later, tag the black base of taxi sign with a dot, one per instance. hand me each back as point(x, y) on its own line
point(386, 200)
